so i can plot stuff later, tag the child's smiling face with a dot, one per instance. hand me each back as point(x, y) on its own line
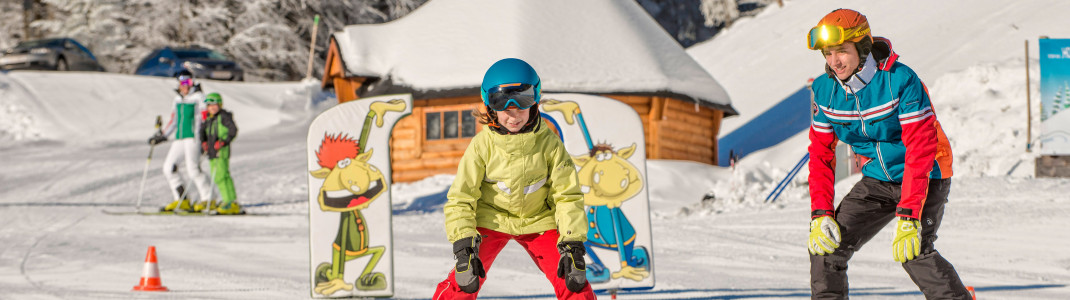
point(513, 118)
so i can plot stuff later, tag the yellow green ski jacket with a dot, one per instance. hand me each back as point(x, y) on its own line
point(516, 184)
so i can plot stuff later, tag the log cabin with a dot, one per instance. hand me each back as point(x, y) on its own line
point(439, 52)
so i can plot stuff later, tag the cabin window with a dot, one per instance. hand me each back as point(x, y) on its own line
point(450, 124)
point(434, 126)
point(468, 124)
point(450, 118)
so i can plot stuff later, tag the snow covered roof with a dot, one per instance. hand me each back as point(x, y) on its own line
point(595, 46)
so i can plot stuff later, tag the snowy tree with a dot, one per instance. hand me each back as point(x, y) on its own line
point(97, 24)
point(1066, 97)
point(11, 29)
point(270, 39)
point(719, 12)
point(1056, 103)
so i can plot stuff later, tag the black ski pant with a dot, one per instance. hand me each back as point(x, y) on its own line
point(865, 211)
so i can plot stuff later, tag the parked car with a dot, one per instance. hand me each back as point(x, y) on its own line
point(202, 62)
point(60, 54)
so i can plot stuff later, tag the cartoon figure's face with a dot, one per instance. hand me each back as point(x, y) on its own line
point(351, 185)
point(607, 178)
point(349, 182)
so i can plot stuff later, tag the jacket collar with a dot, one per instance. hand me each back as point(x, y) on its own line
point(860, 79)
point(521, 143)
point(882, 51)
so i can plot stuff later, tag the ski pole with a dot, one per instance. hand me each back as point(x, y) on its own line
point(145, 173)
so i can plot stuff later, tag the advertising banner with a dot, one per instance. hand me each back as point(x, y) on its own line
point(1055, 96)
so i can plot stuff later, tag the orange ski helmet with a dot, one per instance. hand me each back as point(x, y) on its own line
point(839, 26)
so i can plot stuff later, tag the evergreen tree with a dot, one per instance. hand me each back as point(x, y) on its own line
point(1056, 103)
point(1066, 96)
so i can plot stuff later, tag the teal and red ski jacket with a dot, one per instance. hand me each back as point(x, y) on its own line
point(883, 112)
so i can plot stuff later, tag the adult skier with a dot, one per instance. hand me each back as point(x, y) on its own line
point(216, 134)
point(881, 109)
point(515, 182)
point(185, 120)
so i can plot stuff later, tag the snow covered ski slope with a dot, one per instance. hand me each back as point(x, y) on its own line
point(72, 144)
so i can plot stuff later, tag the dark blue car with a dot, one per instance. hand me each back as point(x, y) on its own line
point(202, 62)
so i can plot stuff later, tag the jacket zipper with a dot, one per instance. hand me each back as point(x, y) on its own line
point(862, 123)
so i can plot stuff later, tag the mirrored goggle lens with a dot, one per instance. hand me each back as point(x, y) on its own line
point(520, 95)
point(185, 82)
point(824, 35)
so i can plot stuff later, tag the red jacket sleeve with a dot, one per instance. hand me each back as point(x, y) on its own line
point(919, 136)
point(822, 165)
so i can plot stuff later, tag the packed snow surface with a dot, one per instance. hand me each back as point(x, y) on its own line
point(73, 144)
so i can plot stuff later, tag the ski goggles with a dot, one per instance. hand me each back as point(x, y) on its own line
point(185, 80)
point(830, 35)
point(520, 95)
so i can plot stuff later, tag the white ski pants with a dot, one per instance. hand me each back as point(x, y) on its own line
point(186, 150)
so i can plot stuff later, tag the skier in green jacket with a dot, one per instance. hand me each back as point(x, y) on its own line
point(184, 124)
point(515, 182)
point(217, 132)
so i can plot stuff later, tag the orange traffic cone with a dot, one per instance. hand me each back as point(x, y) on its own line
point(150, 275)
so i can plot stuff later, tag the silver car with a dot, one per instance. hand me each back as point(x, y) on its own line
point(60, 54)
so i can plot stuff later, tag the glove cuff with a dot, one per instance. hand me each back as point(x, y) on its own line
point(573, 247)
point(466, 246)
point(904, 212)
point(817, 213)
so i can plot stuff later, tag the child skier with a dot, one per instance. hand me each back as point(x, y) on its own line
point(217, 132)
point(515, 182)
point(184, 124)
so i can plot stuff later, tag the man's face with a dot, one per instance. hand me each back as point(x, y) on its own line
point(213, 109)
point(183, 89)
point(842, 58)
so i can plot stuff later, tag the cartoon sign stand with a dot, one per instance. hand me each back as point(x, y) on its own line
point(349, 197)
point(612, 176)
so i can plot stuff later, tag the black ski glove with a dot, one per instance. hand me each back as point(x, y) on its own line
point(469, 268)
point(572, 267)
point(157, 139)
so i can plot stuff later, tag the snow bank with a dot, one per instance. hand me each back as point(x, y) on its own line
point(982, 110)
point(80, 106)
point(762, 60)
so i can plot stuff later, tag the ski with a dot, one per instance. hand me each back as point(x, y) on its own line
point(185, 213)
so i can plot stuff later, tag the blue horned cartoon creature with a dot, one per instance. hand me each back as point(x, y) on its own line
point(607, 179)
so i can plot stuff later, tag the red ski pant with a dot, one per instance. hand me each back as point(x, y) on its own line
point(543, 250)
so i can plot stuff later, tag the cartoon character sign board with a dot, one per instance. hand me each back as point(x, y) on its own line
point(605, 138)
point(349, 197)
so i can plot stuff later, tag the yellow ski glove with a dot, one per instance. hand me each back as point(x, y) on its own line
point(824, 235)
point(906, 244)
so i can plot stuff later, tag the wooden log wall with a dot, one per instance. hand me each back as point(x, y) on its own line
point(673, 130)
point(345, 88)
point(416, 158)
point(676, 129)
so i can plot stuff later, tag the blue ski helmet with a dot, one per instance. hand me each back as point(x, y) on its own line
point(508, 82)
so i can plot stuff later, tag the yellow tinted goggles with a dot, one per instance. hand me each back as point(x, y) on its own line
point(830, 35)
